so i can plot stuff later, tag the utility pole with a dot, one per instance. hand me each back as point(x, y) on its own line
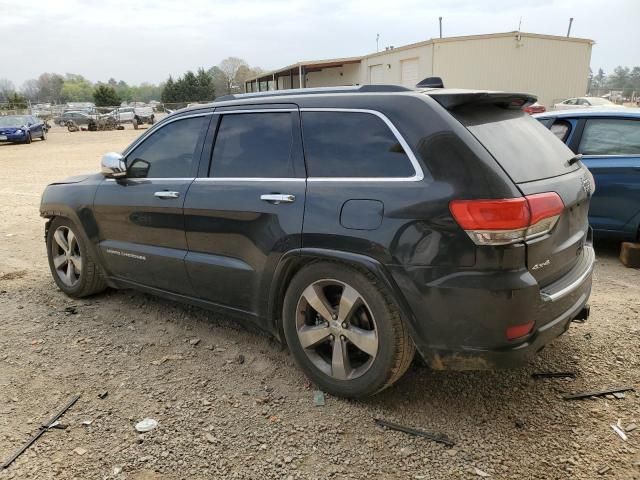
point(377, 42)
point(440, 20)
point(569, 29)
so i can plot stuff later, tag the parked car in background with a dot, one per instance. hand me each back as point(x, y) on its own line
point(535, 108)
point(447, 221)
point(133, 115)
point(585, 102)
point(78, 117)
point(21, 128)
point(609, 142)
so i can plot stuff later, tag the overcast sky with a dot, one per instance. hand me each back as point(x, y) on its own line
point(146, 40)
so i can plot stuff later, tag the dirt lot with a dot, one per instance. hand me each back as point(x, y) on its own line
point(221, 417)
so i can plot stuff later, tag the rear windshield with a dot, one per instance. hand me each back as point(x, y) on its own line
point(525, 149)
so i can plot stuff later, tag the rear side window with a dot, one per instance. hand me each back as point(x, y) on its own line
point(524, 148)
point(352, 144)
point(254, 145)
point(608, 136)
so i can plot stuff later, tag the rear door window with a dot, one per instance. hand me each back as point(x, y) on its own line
point(524, 148)
point(352, 144)
point(254, 145)
point(609, 136)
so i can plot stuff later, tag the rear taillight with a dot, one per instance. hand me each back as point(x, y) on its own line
point(505, 221)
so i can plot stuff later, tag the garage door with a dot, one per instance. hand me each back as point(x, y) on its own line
point(409, 72)
point(376, 74)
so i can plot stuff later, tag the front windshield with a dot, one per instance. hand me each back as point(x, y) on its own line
point(599, 101)
point(13, 121)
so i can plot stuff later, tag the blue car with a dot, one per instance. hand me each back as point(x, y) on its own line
point(21, 128)
point(609, 142)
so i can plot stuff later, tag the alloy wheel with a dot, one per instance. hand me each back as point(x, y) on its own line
point(66, 256)
point(336, 329)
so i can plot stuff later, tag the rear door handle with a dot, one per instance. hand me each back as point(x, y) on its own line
point(166, 194)
point(278, 198)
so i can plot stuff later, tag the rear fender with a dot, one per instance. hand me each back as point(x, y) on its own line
point(294, 260)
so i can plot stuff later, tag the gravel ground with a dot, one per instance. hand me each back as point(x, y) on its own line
point(230, 402)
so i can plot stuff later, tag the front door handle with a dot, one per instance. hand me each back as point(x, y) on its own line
point(278, 198)
point(166, 194)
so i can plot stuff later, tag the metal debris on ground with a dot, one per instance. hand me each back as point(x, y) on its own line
point(146, 425)
point(618, 429)
point(604, 470)
point(318, 398)
point(597, 393)
point(71, 310)
point(102, 395)
point(630, 428)
point(436, 437)
point(43, 428)
point(539, 375)
point(618, 395)
point(480, 473)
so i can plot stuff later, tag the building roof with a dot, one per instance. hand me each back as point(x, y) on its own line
point(337, 62)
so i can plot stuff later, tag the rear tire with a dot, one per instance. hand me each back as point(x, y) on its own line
point(135, 123)
point(74, 269)
point(362, 348)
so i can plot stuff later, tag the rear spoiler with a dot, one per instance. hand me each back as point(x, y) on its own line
point(452, 99)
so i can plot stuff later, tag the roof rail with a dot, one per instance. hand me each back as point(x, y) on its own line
point(315, 91)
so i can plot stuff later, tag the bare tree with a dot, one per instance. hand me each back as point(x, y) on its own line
point(228, 70)
point(6, 89)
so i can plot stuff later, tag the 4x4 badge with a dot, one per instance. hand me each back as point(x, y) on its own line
point(586, 184)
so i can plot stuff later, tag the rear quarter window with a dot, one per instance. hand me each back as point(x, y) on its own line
point(525, 148)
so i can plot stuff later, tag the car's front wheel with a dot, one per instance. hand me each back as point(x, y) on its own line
point(344, 330)
point(44, 134)
point(73, 268)
point(27, 139)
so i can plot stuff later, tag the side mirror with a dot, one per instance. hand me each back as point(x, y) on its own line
point(113, 165)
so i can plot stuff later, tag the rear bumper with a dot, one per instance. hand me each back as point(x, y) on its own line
point(460, 321)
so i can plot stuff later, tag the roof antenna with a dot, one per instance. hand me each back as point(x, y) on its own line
point(519, 24)
point(440, 20)
point(569, 29)
point(377, 42)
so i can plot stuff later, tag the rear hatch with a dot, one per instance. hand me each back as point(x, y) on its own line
point(537, 162)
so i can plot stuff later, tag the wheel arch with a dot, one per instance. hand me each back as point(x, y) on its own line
point(295, 260)
point(83, 220)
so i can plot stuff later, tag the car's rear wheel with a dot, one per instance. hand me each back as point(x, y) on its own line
point(135, 123)
point(73, 268)
point(344, 331)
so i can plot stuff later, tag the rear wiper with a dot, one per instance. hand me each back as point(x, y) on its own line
point(575, 158)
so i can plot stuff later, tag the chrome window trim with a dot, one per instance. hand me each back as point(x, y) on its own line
point(248, 179)
point(158, 126)
point(167, 179)
point(418, 175)
point(257, 110)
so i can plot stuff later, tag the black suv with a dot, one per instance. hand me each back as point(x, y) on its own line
point(357, 224)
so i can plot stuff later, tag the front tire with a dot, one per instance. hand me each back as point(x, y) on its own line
point(28, 139)
point(74, 269)
point(344, 331)
point(44, 135)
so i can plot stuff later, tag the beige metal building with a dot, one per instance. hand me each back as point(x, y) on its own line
point(552, 67)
